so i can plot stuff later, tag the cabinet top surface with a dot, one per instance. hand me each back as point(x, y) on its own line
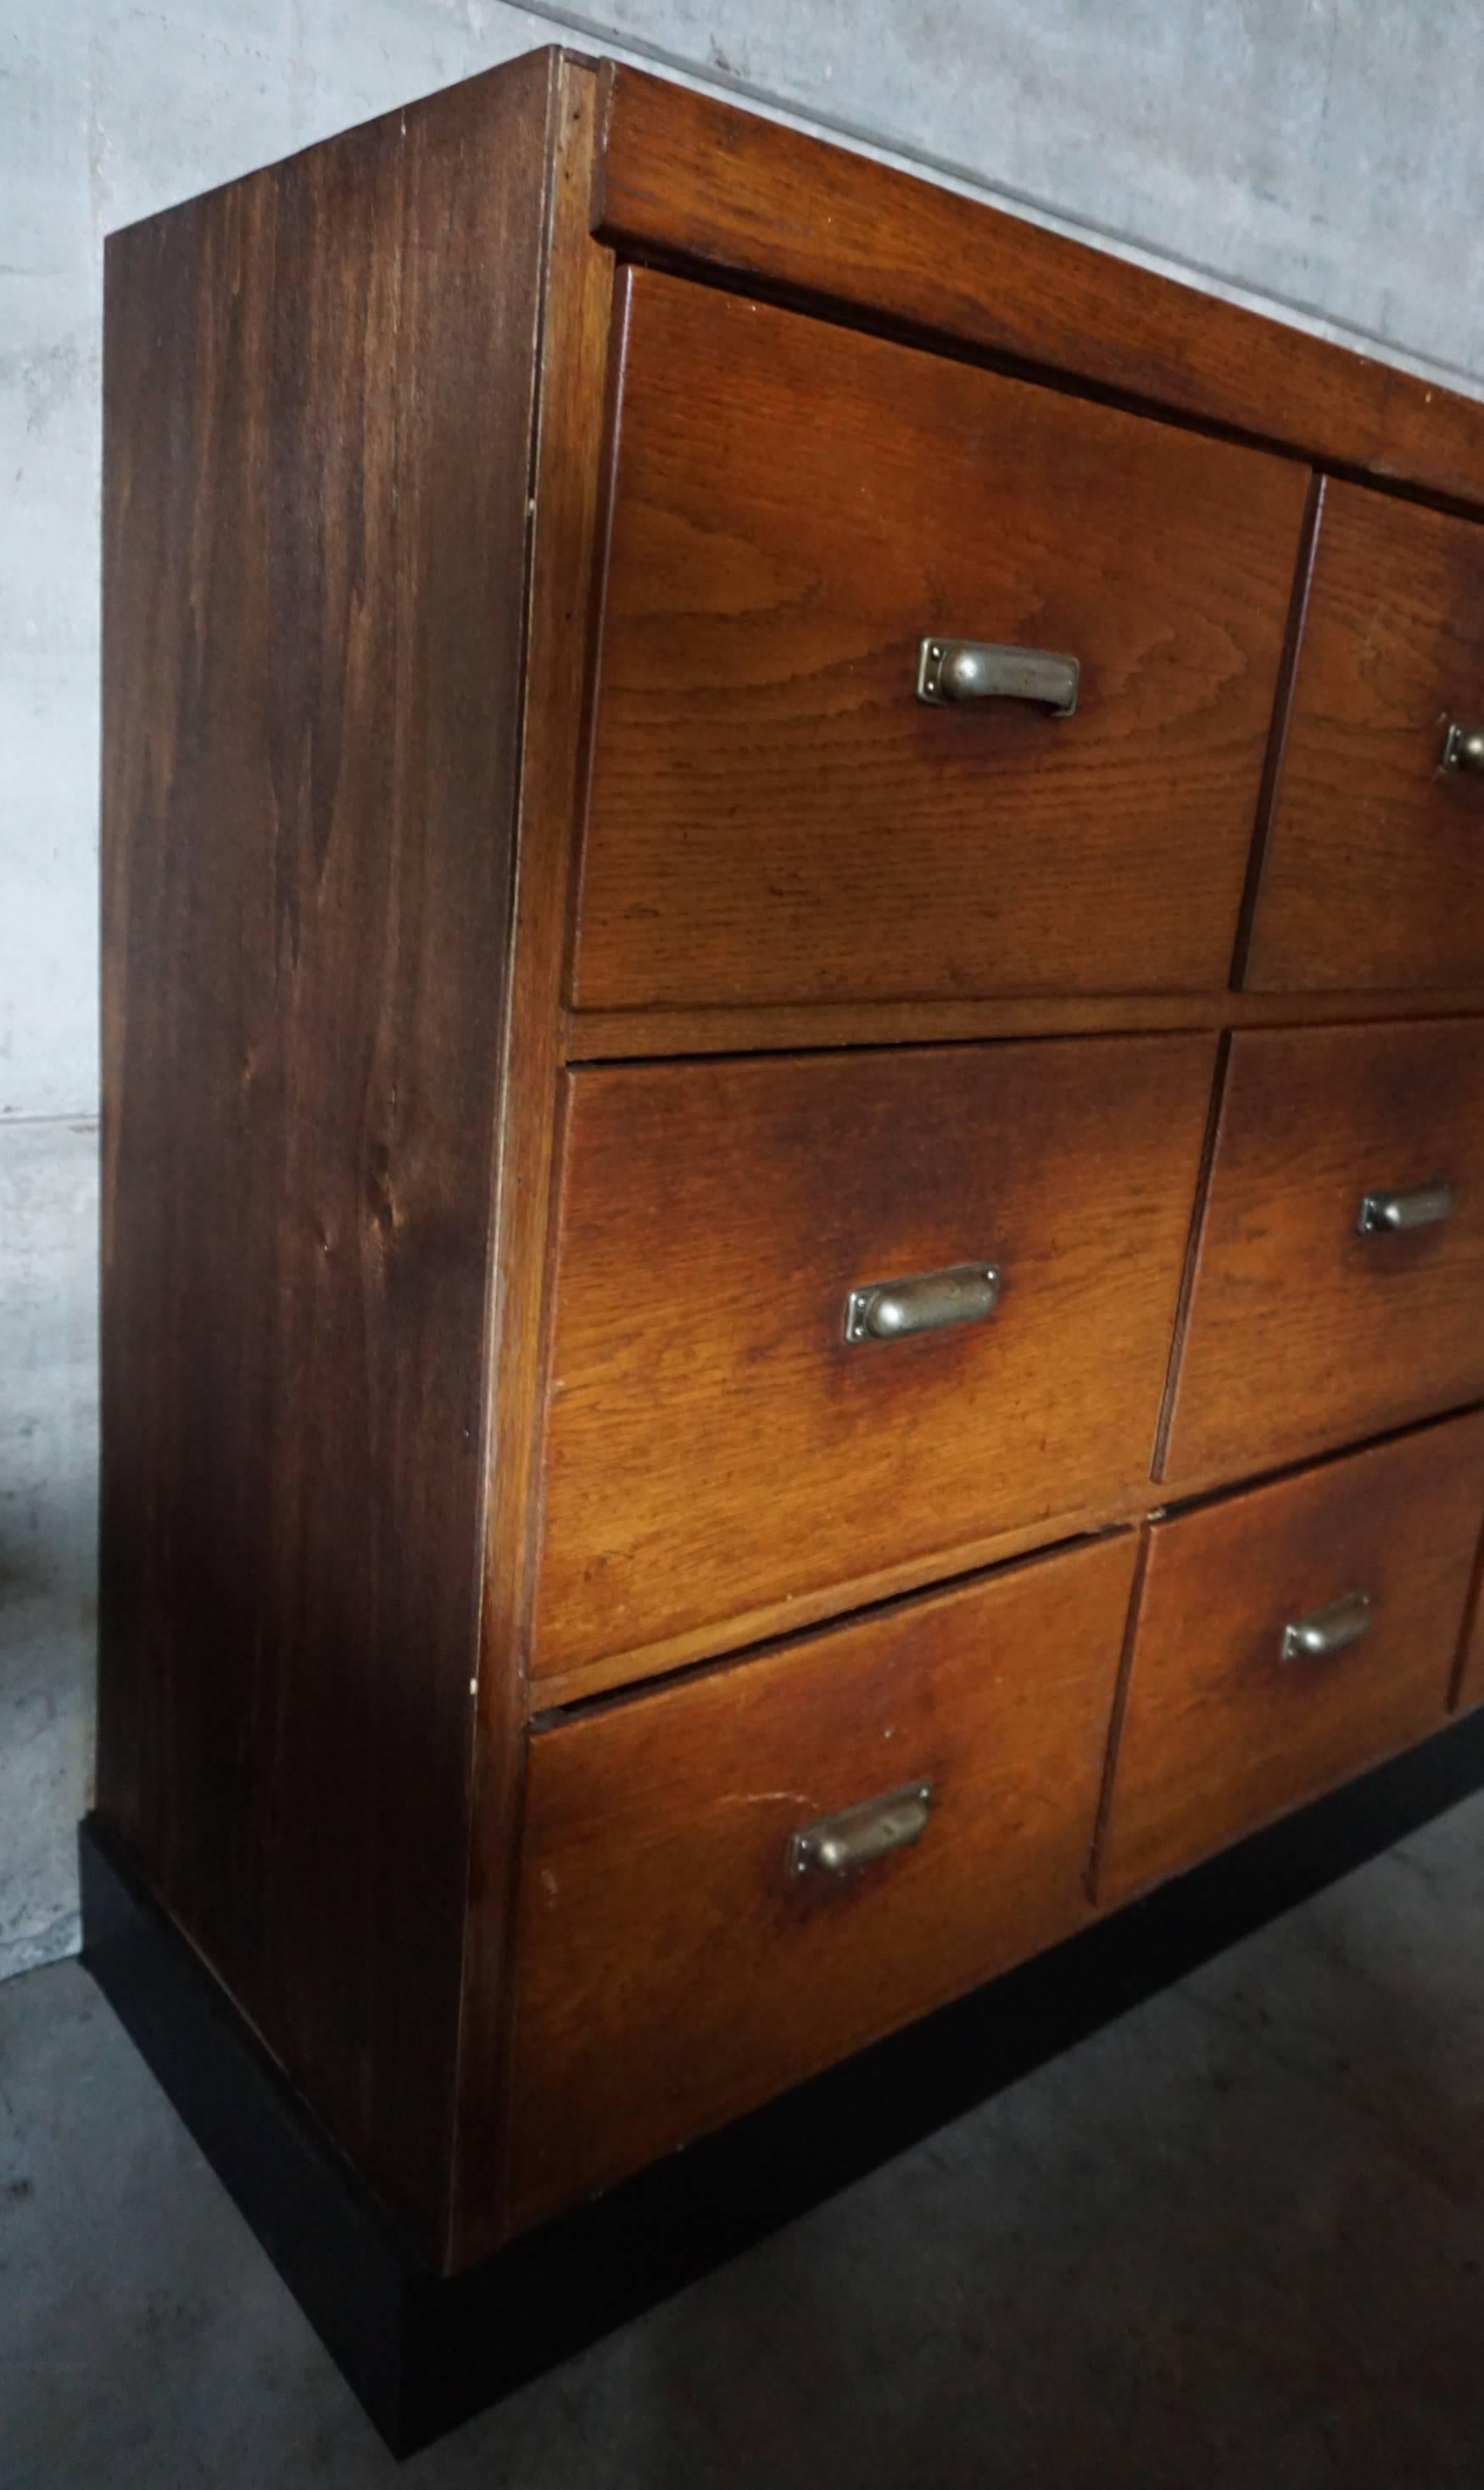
point(690, 181)
point(685, 176)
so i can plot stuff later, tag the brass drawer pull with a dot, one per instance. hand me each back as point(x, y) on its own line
point(1462, 749)
point(890, 1309)
point(1418, 1205)
point(860, 1834)
point(974, 670)
point(1326, 1631)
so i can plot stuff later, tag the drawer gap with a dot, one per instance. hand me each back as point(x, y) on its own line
point(1283, 702)
point(609, 1698)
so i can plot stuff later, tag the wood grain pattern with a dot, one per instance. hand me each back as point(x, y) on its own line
point(1468, 1688)
point(1374, 869)
point(713, 1442)
point(442, 1383)
point(562, 1688)
point(1219, 1733)
point(774, 816)
point(1302, 1333)
point(312, 608)
point(559, 1689)
point(671, 1974)
point(687, 178)
point(565, 577)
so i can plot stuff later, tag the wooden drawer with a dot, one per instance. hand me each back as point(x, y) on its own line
point(775, 814)
point(674, 1967)
point(1303, 1331)
point(1220, 1730)
point(1374, 871)
point(721, 1462)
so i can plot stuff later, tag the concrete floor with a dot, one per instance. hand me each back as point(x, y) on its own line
point(1233, 2242)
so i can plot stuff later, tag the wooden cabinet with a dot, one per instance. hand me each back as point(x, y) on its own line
point(700, 1167)
point(684, 1949)
point(1338, 1277)
point(718, 1220)
point(1286, 1637)
point(1373, 873)
point(775, 815)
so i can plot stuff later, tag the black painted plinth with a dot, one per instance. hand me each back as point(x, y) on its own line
point(423, 2353)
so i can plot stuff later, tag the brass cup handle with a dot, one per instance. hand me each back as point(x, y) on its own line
point(1412, 1205)
point(950, 672)
point(838, 1844)
point(1324, 1632)
point(895, 1309)
point(1462, 749)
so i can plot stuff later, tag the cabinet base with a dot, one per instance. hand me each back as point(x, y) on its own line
point(423, 2353)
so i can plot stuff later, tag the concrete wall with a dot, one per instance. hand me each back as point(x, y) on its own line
point(1323, 156)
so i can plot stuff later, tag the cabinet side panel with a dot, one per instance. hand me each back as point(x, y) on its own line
point(318, 410)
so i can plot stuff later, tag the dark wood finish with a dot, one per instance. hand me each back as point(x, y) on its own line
point(685, 176)
point(1219, 1733)
point(563, 580)
point(742, 1029)
point(639, 1887)
point(313, 577)
point(423, 2353)
point(1468, 1688)
point(1302, 1333)
point(363, 465)
point(1374, 870)
point(774, 816)
point(715, 1449)
point(553, 1694)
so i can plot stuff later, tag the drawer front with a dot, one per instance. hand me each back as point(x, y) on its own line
point(775, 815)
point(717, 1448)
point(1287, 1638)
point(675, 1963)
point(1374, 871)
point(1303, 1331)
